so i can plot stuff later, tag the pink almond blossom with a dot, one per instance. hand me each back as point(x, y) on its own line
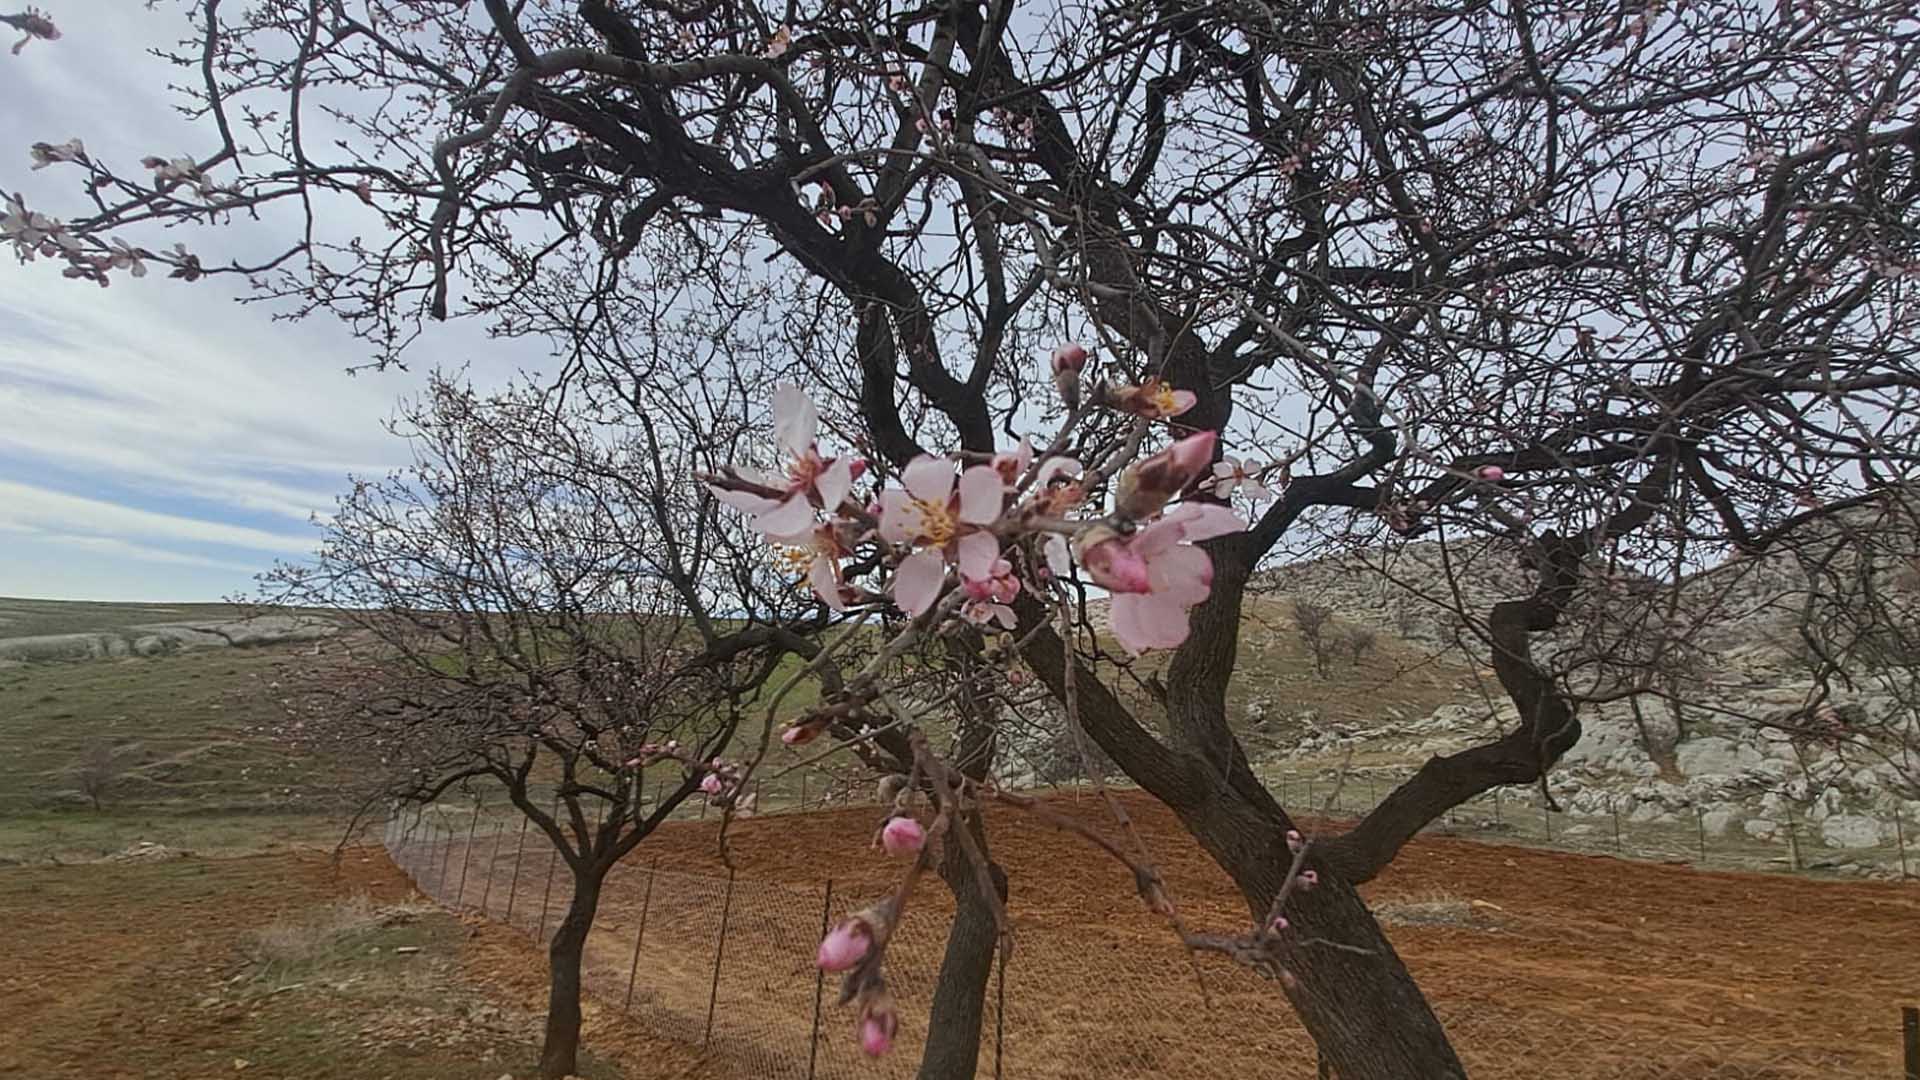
point(844, 946)
point(902, 836)
point(809, 479)
point(944, 522)
point(989, 594)
point(1492, 474)
point(1152, 399)
point(1156, 574)
point(1232, 474)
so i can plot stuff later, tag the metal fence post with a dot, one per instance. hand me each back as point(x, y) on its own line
point(493, 856)
point(446, 862)
point(819, 979)
point(999, 1009)
point(546, 895)
point(1900, 836)
point(1496, 806)
point(646, 902)
point(1613, 805)
point(466, 855)
point(803, 795)
point(1910, 1037)
point(1700, 827)
point(513, 884)
point(719, 950)
point(1546, 818)
point(1793, 841)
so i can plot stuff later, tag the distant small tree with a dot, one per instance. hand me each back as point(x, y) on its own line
point(529, 620)
point(96, 772)
point(1314, 623)
point(1360, 643)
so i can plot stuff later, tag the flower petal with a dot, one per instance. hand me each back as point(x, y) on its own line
point(928, 478)
point(835, 482)
point(978, 551)
point(794, 515)
point(899, 518)
point(1056, 466)
point(795, 420)
point(826, 582)
point(1182, 573)
point(1057, 555)
point(1164, 533)
point(1182, 401)
point(1204, 521)
point(917, 580)
point(743, 500)
point(981, 494)
point(1143, 621)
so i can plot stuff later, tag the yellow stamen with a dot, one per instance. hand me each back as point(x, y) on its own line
point(936, 524)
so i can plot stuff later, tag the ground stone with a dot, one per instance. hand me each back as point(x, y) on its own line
point(1850, 831)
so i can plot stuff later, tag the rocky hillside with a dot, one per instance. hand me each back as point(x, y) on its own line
point(1787, 686)
point(34, 631)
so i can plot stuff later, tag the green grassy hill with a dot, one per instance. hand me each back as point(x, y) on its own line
point(181, 746)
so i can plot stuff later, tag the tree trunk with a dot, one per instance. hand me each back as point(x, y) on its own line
point(953, 1024)
point(560, 1053)
point(1357, 1000)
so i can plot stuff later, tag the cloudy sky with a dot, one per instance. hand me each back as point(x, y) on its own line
point(158, 440)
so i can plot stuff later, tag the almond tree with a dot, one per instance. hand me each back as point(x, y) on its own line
point(535, 614)
point(1622, 286)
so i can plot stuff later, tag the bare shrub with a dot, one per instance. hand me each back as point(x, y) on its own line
point(96, 772)
point(302, 939)
point(1428, 909)
point(1361, 643)
point(1314, 622)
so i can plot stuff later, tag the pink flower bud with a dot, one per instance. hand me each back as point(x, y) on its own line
point(844, 946)
point(1115, 566)
point(1147, 484)
point(876, 1032)
point(799, 735)
point(1069, 356)
point(1279, 924)
point(902, 836)
point(1309, 878)
point(1492, 474)
point(1294, 841)
point(711, 783)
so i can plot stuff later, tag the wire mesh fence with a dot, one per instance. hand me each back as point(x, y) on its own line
point(728, 962)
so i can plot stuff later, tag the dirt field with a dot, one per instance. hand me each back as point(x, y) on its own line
point(1543, 964)
point(277, 967)
point(1567, 967)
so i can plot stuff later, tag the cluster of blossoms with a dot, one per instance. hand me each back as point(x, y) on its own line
point(962, 538)
point(721, 781)
point(972, 526)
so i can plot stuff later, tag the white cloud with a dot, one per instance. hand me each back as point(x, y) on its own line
point(209, 409)
point(23, 507)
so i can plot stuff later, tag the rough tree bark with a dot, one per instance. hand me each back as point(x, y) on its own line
point(953, 1024)
point(560, 1053)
